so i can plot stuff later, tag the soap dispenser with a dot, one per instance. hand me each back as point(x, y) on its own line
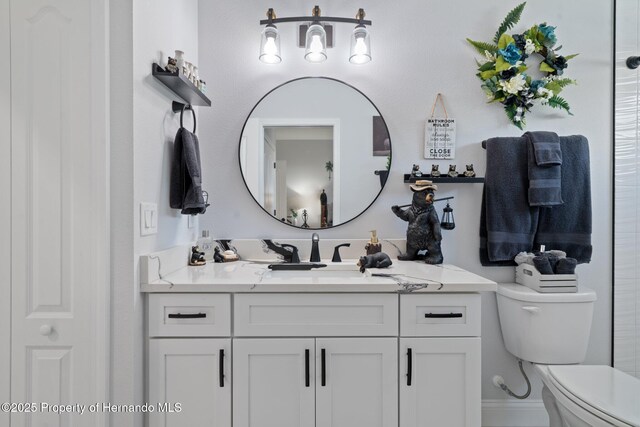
point(206, 245)
point(374, 246)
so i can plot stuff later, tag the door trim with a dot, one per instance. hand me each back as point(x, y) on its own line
point(100, 159)
point(5, 214)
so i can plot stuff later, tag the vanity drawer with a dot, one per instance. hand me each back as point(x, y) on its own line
point(444, 315)
point(189, 315)
point(315, 315)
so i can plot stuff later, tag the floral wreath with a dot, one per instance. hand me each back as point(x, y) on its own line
point(502, 70)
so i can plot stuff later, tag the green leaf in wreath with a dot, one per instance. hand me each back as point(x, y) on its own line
point(504, 41)
point(568, 57)
point(510, 20)
point(559, 102)
point(501, 64)
point(482, 46)
point(487, 66)
point(485, 75)
point(546, 67)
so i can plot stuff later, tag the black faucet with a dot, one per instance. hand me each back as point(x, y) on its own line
point(288, 252)
point(315, 250)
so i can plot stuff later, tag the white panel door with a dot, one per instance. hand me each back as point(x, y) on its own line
point(357, 382)
point(440, 382)
point(270, 177)
point(58, 208)
point(196, 374)
point(273, 383)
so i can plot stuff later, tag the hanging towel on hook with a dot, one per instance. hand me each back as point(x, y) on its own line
point(186, 178)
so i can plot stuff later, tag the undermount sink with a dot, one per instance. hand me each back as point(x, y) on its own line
point(330, 271)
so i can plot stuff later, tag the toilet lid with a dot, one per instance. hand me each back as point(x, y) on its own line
point(604, 388)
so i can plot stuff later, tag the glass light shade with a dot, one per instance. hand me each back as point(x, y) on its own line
point(316, 44)
point(270, 45)
point(360, 46)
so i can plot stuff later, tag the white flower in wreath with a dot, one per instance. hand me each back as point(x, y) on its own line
point(490, 57)
point(514, 85)
point(545, 93)
point(529, 47)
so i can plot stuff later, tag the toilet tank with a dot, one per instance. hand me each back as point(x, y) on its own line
point(543, 327)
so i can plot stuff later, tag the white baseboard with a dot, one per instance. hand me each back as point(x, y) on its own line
point(514, 413)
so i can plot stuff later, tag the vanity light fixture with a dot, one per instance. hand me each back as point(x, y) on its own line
point(315, 37)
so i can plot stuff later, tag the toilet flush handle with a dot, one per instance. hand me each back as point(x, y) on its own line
point(531, 309)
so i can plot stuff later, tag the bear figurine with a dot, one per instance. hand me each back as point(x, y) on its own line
point(423, 232)
point(469, 173)
point(452, 171)
point(435, 170)
point(377, 260)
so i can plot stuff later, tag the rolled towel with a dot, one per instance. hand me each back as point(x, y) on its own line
point(559, 254)
point(553, 260)
point(524, 258)
point(566, 266)
point(542, 264)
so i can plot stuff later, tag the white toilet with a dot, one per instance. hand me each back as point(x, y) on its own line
point(552, 332)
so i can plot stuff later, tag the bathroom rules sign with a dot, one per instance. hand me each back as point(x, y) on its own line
point(440, 138)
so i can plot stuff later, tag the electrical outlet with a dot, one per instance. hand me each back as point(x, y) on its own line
point(148, 219)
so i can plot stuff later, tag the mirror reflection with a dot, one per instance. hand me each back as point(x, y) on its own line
point(315, 153)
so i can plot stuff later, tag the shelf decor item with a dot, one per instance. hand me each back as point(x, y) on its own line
point(440, 134)
point(503, 68)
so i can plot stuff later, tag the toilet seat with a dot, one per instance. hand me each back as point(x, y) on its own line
point(604, 392)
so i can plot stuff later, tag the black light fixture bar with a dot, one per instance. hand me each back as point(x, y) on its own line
point(315, 19)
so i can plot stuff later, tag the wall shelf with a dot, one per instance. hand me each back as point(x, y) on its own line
point(181, 86)
point(408, 179)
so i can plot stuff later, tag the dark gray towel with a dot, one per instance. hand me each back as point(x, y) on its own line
point(507, 223)
point(568, 227)
point(186, 180)
point(545, 162)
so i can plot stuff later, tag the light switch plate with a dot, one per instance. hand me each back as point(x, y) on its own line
point(191, 221)
point(148, 219)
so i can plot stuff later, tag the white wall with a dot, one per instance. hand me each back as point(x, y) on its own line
point(142, 132)
point(627, 277)
point(419, 49)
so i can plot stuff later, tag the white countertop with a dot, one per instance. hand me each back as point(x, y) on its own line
point(246, 276)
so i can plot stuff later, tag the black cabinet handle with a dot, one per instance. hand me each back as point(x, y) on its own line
point(323, 368)
point(187, 316)
point(409, 366)
point(307, 380)
point(442, 315)
point(221, 367)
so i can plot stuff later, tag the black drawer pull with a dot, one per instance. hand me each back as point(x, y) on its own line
point(221, 367)
point(409, 366)
point(187, 316)
point(442, 315)
point(323, 371)
point(307, 379)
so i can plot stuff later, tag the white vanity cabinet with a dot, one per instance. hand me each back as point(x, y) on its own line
point(350, 379)
point(440, 368)
point(187, 365)
point(316, 359)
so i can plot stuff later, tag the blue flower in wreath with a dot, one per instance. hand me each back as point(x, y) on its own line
point(511, 54)
point(549, 34)
point(536, 84)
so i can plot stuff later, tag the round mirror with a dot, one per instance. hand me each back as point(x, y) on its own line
point(315, 152)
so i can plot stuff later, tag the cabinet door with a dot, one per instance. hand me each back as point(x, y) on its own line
point(194, 373)
point(273, 383)
point(357, 382)
point(440, 382)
